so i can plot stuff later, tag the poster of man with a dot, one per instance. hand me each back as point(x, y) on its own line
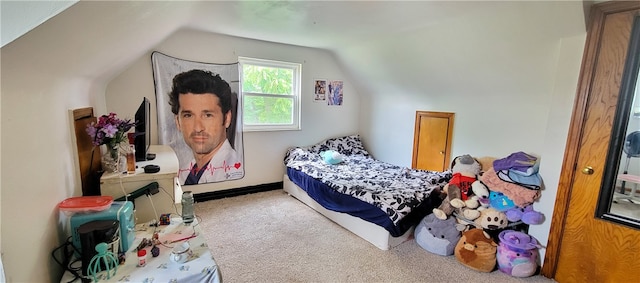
point(198, 110)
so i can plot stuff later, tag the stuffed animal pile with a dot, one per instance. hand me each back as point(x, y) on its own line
point(487, 209)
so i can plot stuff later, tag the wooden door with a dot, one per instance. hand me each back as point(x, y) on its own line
point(432, 140)
point(583, 247)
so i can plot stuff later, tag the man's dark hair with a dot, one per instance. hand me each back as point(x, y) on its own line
point(200, 82)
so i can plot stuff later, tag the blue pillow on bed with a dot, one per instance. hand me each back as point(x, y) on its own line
point(331, 157)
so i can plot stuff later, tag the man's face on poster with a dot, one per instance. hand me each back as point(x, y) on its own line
point(202, 123)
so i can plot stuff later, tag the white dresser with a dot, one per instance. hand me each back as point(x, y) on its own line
point(114, 184)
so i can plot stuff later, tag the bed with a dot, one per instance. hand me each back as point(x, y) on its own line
point(378, 201)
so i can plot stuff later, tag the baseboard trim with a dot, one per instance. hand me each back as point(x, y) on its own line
point(237, 192)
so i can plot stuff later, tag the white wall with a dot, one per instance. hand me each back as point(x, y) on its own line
point(557, 128)
point(476, 66)
point(37, 136)
point(264, 151)
point(37, 165)
point(497, 78)
point(60, 65)
point(511, 86)
point(36, 132)
point(18, 17)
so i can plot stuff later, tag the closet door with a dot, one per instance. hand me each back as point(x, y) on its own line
point(585, 246)
point(432, 140)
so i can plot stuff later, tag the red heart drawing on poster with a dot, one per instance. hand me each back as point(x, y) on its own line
point(237, 165)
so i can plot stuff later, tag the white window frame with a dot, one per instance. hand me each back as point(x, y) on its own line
point(295, 88)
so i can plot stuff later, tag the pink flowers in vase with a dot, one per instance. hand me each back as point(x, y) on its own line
point(109, 130)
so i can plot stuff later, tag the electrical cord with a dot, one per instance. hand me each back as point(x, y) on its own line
point(198, 218)
point(173, 200)
point(155, 212)
point(126, 195)
point(67, 249)
point(174, 207)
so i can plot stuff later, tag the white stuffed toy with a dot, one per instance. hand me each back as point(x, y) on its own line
point(478, 201)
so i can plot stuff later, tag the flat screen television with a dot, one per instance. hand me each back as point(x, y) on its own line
point(142, 137)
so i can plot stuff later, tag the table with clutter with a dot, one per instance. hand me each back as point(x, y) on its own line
point(160, 262)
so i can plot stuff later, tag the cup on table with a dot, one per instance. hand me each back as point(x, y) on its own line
point(181, 253)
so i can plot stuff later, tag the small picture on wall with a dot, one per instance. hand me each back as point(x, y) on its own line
point(320, 90)
point(335, 95)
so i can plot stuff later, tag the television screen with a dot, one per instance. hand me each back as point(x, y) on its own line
point(142, 139)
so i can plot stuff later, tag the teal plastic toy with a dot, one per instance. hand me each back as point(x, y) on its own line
point(109, 259)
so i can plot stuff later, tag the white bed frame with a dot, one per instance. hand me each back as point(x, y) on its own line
point(373, 233)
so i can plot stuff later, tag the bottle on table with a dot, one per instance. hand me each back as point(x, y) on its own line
point(142, 257)
point(187, 207)
point(131, 154)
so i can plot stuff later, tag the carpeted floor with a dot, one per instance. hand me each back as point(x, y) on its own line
point(272, 237)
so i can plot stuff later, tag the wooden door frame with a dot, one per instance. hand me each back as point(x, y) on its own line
point(447, 151)
point(585, 81)
point(88, 155)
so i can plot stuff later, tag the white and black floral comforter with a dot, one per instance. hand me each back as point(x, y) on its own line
point(393, 189)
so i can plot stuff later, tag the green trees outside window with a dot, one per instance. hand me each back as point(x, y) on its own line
point(270, 94)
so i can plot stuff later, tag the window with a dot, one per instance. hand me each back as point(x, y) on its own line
point(270, 95)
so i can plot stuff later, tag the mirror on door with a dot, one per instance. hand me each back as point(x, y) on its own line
point(619, 199)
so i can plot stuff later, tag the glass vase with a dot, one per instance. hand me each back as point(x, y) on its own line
point(114, 160)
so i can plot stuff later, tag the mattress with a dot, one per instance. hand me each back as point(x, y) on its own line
point(370, 232)
point(339, 202)
point(393, 197)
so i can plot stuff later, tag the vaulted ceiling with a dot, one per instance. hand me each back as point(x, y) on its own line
point(321, 24)
point(425, 53)
point(98, 39)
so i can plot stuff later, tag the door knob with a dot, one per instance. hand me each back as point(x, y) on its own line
point(587, 170)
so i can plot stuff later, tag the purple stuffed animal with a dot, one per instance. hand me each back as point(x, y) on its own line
point(517, 254)
point(527, 215)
